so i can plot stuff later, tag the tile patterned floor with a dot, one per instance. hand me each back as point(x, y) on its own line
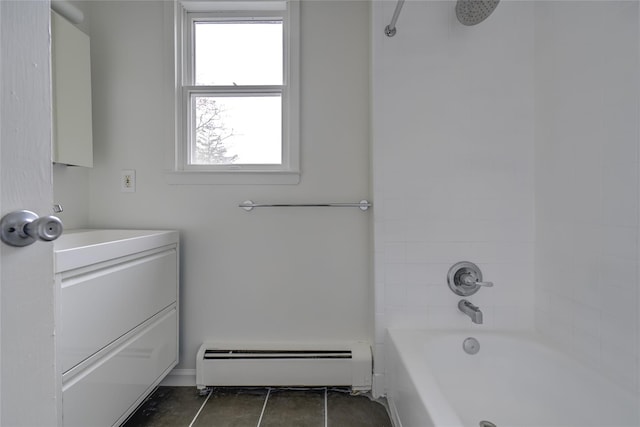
point(258, 407)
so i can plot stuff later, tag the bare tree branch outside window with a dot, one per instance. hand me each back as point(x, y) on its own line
point(211, 134)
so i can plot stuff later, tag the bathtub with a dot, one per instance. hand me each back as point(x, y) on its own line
point(514, 380)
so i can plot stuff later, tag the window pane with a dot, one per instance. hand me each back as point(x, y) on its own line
point(232, 53)
point(236, 130)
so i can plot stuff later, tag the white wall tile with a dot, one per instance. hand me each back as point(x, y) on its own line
point(418, 296)
point(395, 209)
point(395, 274)
point(457, 177)
point(587, 320)
point(620, 332)
point(416, 273)
point(436, 274)
point(620, 365)
point(441, 296)
point(619, 272)
point(395, 295)
point(620, 302)
point(406, 318)
point(394, 231)
point(379, 297)
point(587, 348)
point(541, 190)
point(513, 317)
point(381, 327)
point(621, 242)
point(394, 252)
point(587, 185)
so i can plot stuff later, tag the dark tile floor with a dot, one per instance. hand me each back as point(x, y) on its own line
point(258, 407)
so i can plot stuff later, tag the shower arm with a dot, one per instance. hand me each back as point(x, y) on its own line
point(390, 30)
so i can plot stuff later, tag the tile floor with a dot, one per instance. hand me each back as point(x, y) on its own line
point(258, 407)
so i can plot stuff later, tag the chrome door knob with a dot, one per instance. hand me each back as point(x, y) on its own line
point(46, 228)
point(22, 228)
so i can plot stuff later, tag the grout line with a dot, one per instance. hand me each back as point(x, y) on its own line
point(264, 406)
point(326, 413)
point(201, 408)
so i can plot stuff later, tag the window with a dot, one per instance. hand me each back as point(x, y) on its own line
point(237, 89)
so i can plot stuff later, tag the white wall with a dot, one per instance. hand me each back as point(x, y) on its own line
point(452, 165)
point(70, 183)
point(268, 275)
point(587, 94)
point(71, 190)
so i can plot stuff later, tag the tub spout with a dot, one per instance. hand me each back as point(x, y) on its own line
point(470, 310)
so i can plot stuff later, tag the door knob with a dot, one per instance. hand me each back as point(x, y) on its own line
point(22, 228)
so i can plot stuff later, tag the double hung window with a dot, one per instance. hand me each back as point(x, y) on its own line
point(238, 87)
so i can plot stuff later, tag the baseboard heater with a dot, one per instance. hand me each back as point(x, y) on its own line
point(220, 364)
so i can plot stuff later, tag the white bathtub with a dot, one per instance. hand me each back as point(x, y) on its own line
point(514, 380)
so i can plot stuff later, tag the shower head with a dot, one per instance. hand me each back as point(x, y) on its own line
point(472, 12)
point(469, 12)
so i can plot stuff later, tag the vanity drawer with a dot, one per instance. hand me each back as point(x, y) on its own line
point(99, 306)
point(105, 391)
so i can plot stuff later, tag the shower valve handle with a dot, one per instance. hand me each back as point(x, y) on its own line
point(465, 278)
point(485, 284)
point(470, 279)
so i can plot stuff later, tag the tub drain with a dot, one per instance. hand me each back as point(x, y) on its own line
point(487, 424)
point(472, 346)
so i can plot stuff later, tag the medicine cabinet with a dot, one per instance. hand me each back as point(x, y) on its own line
point(71, 82)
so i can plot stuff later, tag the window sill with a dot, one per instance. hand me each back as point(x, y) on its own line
point(233, 178)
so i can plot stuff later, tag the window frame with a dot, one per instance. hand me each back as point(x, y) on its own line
point(186, 13)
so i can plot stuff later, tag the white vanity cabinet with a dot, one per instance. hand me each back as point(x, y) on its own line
point(117, 320)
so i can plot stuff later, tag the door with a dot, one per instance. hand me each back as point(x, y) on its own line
point(28, 390)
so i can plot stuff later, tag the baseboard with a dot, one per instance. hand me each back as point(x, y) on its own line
point(181, 378)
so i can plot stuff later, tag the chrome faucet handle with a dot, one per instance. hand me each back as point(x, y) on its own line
point(465, 278)
point(468, 278)
point(471, 279)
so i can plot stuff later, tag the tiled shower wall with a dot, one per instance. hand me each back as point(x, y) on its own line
point(587, 117)
point(512, 144)
point(453, 165)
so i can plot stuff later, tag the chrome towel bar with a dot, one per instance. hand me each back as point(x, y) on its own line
point(390, 30)
point(248, 205)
